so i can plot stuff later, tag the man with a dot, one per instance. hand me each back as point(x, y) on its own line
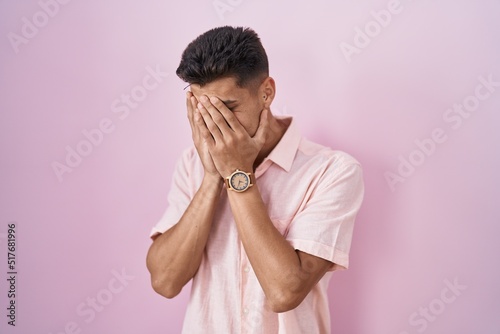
point(257, 216)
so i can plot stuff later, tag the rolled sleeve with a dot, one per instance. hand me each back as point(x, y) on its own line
point(180, 194)
point(324, 227)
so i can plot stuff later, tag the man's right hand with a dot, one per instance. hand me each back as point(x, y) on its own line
point(175, 255)
point(199, 142)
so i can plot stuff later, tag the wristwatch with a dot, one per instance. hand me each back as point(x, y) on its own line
point(239, 181)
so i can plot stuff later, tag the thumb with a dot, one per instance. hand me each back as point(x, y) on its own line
point(261, 134)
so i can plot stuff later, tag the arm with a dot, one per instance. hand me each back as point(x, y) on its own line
point(286, 275)
point(174, 256)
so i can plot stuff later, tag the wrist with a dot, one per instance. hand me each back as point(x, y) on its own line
point(212, 180)
point(239, 181)
point(228, 172)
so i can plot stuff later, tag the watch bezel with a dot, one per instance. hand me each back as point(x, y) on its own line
point(234, 174)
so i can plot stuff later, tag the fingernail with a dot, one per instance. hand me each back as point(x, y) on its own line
point(200, 105)
point(213, 99)
point(203, 98)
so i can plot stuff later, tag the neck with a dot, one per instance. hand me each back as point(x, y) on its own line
point(276, 131)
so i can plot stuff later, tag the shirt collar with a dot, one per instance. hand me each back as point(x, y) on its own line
point(284, 152)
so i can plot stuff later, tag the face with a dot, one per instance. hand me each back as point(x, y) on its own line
point(245, 103)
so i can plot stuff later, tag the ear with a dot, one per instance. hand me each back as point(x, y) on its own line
point(267, 92)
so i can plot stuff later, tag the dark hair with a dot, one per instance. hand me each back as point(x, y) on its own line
point(224, 52)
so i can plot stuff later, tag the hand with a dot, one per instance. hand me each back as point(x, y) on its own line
point(199, 142)
point(229, 144)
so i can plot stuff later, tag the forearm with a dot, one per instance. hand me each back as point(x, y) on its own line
point(275, 262)
point(174, 256)
point(286, 275)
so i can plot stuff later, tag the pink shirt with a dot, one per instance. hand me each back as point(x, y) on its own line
point(312, 194)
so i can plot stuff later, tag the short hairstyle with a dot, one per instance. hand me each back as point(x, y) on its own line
point(224, 52)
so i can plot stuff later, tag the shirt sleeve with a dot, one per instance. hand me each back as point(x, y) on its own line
point(180, 194)
point(325, 225)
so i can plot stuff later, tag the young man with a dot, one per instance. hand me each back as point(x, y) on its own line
point(257, 216)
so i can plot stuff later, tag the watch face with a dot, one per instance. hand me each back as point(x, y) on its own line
point(239, 181)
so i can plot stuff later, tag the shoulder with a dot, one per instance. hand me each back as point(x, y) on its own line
point(188, 170)
point(334, 172)
point(189, 155)
point(189, 160)
point(336, 160)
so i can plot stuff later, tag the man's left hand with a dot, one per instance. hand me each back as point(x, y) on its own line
point(229, 144)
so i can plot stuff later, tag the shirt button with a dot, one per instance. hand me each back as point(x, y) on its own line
point(245, 310)
point(246, 269)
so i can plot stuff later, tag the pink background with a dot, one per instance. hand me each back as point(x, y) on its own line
point(441, 223)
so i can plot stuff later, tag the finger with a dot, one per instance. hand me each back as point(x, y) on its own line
point(190, 109)
point(261, 134)
point(228, 115)
point(202, 129)
point(191, 106)
point(208, 123)
point(194, 102)
point(215, 114)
